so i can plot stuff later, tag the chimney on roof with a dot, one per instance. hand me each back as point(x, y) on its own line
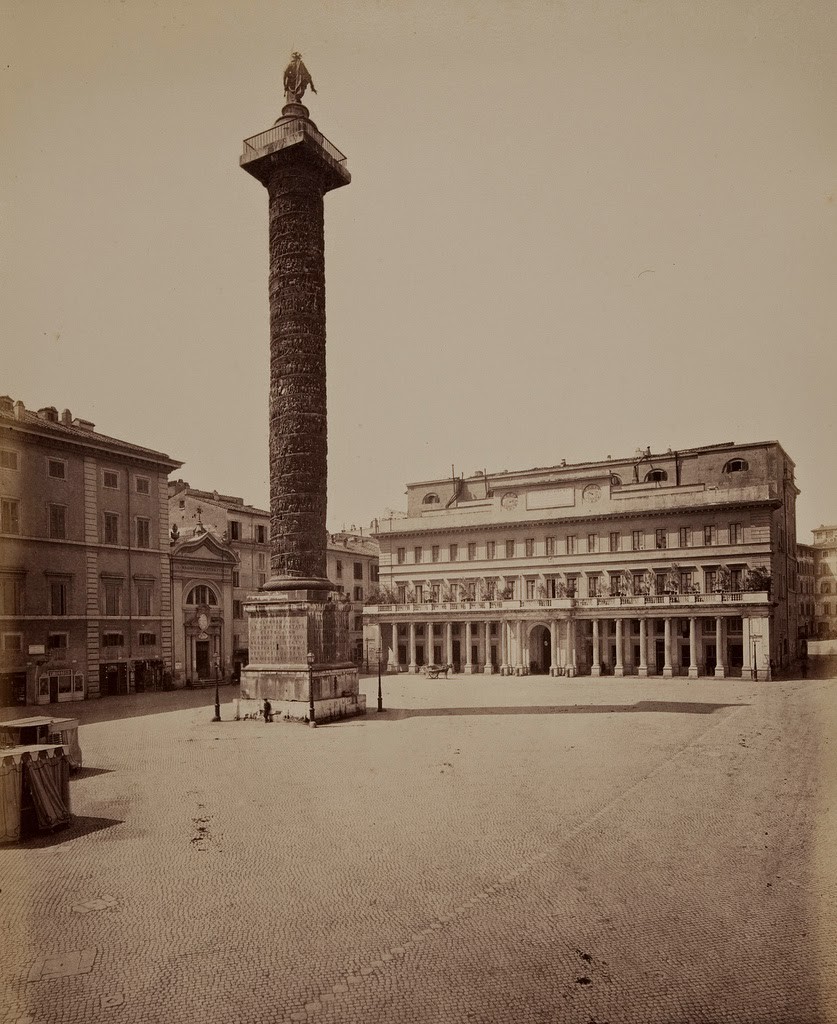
point(48, 413)
point(20, 409)
point(83, 424)
point(6, 404)
point(66, 417)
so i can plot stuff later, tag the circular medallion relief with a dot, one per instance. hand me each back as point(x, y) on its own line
point(509, 500)
point(592, 492)
point(203, 621)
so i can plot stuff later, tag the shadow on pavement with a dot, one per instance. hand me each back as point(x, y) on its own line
point(666, 706)
point(78, 827)
point(89, 773)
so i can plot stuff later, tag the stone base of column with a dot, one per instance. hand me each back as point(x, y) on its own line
point(595, 670)
point(470, 670)
point(642, 672)
point(488, 670)
point(668, 673)
point(693, 672)
point(719, 672)
point(619, 671)
point(284, 626)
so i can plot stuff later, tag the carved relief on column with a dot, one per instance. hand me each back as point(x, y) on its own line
point(298, 443)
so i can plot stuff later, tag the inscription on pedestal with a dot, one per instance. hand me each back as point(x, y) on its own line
point(279, 639)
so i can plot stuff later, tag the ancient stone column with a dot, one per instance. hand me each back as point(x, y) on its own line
point(299, 626)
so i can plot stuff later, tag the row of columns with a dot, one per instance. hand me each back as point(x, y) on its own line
point(513, 650)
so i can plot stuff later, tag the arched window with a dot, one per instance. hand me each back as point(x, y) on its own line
point(736, 466)
point(655, 476)
point(825, 588)
point(201, 595)
point(430, 499)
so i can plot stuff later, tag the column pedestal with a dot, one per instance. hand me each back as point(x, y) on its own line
point(285, 625)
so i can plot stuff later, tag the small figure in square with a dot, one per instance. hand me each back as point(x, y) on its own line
point(268, 711)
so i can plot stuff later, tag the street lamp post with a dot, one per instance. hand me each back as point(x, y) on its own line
point(217, 717)
point(755, 671)
point(311, 719)
point(380, 696)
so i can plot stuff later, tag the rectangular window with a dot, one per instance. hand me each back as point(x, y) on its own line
point(9, 515)
point(358, 569)
point(454, 552)
point(660, 539)
point(435, 593)
point(434, 553)
point(8, 459)
point(236, 575)
point(417, 554)
point(59, 597)
point(57, 469)
point(490, 549)
point(262, 578)
point(419, 593)
point(659, 583)
point(709, 535)
point(143, 485)
point(261, 562)
point(685, 536)
point(472, 550)
point(735, 533)
point(57, 642)
point(529, 547)
point(238, 610)
point(147, 639)
point(572, 586)
point(401, 591)
point(710, 577)
point(358, 593)
point(402, 556)
point(338, 568)
point(144, 598)
point(111, 528)
point(614, 541)
point(571, 544)
point(735, 579)
point(143, 533)
point(112, 590)
point(112, 640)
point(235, 529)
point(110, 479)
point(687, 581)
point(261, 534)
point(11, 595)
point(58, 522)
point(591, 543)
point(509, 549)
point(592, 586)
point(373, 572)
point(12, 642)
point(530, 590)
point(637, 543)
point(549, 547)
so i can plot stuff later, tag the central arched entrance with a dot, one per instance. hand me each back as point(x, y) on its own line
point(540, 650)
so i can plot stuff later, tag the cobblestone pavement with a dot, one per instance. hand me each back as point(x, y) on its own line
point(486, 850)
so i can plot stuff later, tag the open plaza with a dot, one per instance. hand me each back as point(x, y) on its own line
point(492, 849)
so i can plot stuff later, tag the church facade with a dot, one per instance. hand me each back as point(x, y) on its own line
point(674, 563)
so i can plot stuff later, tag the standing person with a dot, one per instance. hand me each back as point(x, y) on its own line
point(268, 711)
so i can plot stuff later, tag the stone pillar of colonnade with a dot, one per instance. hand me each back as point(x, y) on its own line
point(667, 670)
point(596, 667)
point(693, 667)
point(642, 670)
point(571, 663)
point(448, 643)
point(747, 664)
point(487, 666)
point(504, 648)
point(720, 670)
point(519, 648)
point(469, 665)
point(619, 667)
point(412, 667)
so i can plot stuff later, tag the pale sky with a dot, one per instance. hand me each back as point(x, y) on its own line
point(574, 229)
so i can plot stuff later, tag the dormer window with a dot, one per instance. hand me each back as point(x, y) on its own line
point(736, 466)
point(656, 476)
point(430, 499)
